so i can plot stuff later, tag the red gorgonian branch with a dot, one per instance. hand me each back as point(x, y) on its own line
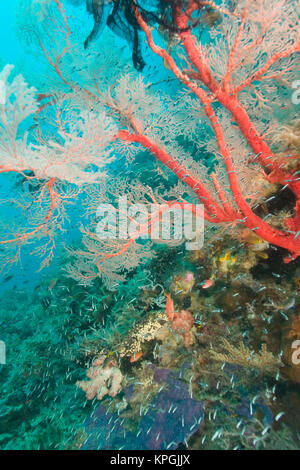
point(207, 89)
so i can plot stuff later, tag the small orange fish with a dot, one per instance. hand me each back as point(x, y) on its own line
point(169, 307)
point(208, 284)
point(136, 356)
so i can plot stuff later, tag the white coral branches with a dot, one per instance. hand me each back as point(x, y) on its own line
point(76, 151)
point(80, 150)
point(19, 103)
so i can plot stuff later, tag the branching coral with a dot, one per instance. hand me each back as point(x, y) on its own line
point(225, 87)
point(289, 137)
point(54, 165)
point(264, 361)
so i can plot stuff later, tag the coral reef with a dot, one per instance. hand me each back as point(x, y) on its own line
point(164, 421)
point(152, 331)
